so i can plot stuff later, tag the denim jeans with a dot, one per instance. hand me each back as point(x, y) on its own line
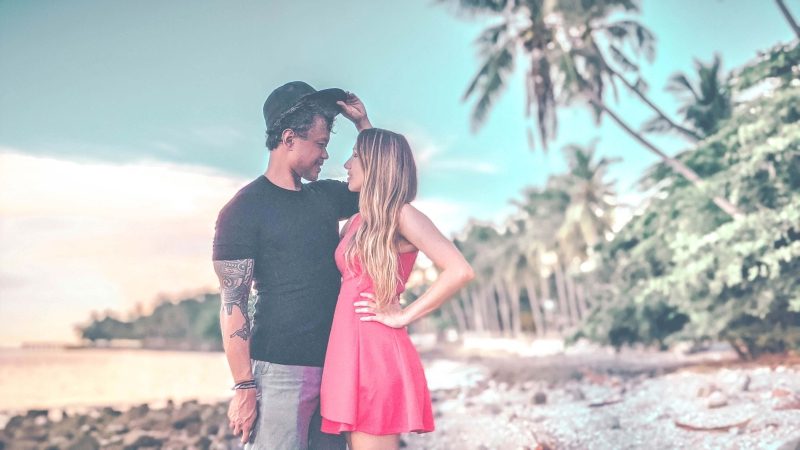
point(288, 409)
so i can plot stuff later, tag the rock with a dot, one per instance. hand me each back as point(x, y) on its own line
point(203, 443)
point(117, 428)
point(110, 412)
point(717, 400)
point(576, 393)
point(31, 432)
point(87, 428)
point(494, 409)
point(190, 404)
point(210, 429)
point(539, 398)
point(744, 383)
point(58, 442)
point(13, 423)
point(138, 439)
point(185, 418)
point(138, 412)
point(794, 444)
point(705, 391)
point(614, 423)
point(85, 442)
point(34, 413)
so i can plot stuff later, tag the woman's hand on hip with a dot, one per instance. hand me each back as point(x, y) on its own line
point(392, 315)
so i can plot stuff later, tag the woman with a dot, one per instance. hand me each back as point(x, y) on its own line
point(373, 384)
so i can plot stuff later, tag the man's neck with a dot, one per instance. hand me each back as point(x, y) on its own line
point(282, 175)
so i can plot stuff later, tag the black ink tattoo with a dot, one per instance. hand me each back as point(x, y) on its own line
point(235, 278)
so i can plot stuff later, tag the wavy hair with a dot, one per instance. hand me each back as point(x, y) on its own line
point(390, 181)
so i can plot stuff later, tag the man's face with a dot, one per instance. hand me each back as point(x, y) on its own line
point(355, 172)
point(310, 153)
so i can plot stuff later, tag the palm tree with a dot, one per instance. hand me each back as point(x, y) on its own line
point(589, 218)
point(788, 15)
point(558, 40)
point(705, 103)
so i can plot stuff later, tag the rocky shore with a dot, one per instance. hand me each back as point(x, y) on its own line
point(191, 425)
point(588, 400)
point(609, 402)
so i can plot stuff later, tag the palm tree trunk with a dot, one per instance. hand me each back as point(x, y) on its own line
point(535, 303)
point(514, 297)
point(582, 299)
point(788, 15)
point(511, 294)
point(573, 298)
point(477, 310)
point(458, 313)
point(676, 165)
point(562, 295)
point(504, 307)
point(694, 137)
point(490, 301)
point(544, 283)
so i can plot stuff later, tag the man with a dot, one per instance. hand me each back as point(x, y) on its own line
point(280, 234)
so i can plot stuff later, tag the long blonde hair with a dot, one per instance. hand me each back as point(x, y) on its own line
point(390, 181)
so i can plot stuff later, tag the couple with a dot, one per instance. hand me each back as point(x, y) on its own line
point(282, 236)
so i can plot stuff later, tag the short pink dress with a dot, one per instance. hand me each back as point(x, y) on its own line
point(373, 380)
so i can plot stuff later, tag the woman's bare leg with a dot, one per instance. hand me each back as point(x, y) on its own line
point(363, 441)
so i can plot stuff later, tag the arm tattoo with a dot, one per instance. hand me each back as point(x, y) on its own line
point(235, 278)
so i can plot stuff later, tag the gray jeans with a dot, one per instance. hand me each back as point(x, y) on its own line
point(288, 409)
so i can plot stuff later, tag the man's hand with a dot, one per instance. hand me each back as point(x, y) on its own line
point(242, 413)
point(392, 315)
point(355, 111)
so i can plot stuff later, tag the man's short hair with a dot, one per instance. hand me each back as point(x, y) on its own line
point(300, 120)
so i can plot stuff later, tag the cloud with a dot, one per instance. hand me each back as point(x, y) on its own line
point(447, 215)
point(76, 237)
point(432, 157)
point(82, 236)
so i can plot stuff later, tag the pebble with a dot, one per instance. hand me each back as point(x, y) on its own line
point(717, 400)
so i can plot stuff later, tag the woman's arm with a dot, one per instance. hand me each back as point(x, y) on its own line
point(455, 273)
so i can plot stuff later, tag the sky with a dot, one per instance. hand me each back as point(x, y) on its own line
point(125, 126)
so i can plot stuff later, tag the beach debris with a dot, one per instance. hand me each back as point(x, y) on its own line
point(605, 402)
point(712, 427)
point(717, 400)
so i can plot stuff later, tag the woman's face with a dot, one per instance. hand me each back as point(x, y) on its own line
point(355, 172)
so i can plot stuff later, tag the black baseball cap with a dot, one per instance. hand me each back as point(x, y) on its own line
point(286, 98)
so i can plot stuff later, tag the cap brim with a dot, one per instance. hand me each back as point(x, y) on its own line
point(327, 97)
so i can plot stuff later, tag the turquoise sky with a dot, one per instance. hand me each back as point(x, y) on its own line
point(184, 81)
point(89, 87)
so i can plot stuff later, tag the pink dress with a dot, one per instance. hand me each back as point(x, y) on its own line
point(373, 380)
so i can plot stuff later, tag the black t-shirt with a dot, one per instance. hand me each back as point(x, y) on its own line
point(291, 236)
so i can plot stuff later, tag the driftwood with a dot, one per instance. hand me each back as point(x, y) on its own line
point(690, 427)
point(604, 402)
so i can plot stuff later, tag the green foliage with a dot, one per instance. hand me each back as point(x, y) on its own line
point(192, 323)
point(781, 62)
point(734, 280)
point(705, 103)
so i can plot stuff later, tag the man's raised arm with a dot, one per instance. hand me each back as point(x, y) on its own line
point(235, 279)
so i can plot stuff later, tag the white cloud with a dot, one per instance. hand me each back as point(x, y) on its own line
point(77, 237)
point(450, 217)
point(431, 156)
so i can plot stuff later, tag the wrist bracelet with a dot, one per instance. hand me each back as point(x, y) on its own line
point(249, 384)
